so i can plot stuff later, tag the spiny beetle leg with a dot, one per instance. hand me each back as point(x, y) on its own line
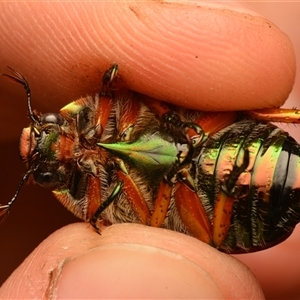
point(72, 109)
point(224, 203)
point(96, 216)
point(183, 160)
point(162, 203)
point(84, 208)
point(282, 115)
point(93, 193)
point(108, 79)
point(127, 112)
point(172, 122)
point(91, 115)
point(110, 74)
point(212, 122)
point(137, 201)
point(222, 217)
point(159, 108)
point(192, 212)
point(163, 199)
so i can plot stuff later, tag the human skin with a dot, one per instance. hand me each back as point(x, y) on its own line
point(212, 53)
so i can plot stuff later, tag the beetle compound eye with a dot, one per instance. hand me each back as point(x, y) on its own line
point(52, 118)
point(46, 179)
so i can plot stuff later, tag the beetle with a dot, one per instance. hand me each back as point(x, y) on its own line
point(230, 179)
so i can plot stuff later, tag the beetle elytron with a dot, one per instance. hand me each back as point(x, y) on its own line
point(230, 179)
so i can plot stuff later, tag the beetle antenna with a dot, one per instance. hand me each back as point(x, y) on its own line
point(4, 209)
point(17, 77)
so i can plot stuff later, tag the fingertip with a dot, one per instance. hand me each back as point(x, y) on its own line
point(221, 57)
point(128, 260)
point(31, 279)
point(136, 261)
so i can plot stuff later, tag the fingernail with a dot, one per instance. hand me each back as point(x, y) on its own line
point(131, 271)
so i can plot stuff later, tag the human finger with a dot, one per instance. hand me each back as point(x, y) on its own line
point(71, 90)
point(128, 261)
point(217, 59)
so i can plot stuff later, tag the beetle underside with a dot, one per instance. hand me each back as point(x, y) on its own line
point(229, 179)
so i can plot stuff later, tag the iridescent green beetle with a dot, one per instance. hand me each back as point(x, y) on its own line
point(230, 179)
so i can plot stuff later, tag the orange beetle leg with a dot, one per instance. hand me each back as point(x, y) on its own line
point(224, 203)
point(162, 203)
point(102, 113)
point(159, 108)
point(222, 217)
point(128, 111)
point(86, 207)
point(135, 197)
point(282, 115)
point(94, 196)
point(101, 110)
point(210, 123)
point(192, 213)
point(72, 109)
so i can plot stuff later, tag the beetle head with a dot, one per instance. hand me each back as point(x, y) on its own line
point(37, 144)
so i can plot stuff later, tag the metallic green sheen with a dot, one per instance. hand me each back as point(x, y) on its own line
point(150, 150)
point(47, 145)
point(72, 108)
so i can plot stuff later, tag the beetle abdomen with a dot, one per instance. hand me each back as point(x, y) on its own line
point(267, 193)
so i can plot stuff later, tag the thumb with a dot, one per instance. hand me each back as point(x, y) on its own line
point(128, 261)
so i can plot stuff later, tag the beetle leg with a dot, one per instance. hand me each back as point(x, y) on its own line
point(212, 122)
point(193, 134)
point(188, 204)
point(282, 115)
point(172, 122)
point(162, 203)
point(224, 203)
point(164, 195)
point(134, 196)
point(171, 119)
point(110, 75)
point(85, 207)
point(91, 115)
point(191, 210)
point(189, 207)
point(100, 108)
point(97, 213)
point(128, 110)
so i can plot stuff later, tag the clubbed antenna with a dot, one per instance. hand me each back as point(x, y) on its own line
point(17, 77)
